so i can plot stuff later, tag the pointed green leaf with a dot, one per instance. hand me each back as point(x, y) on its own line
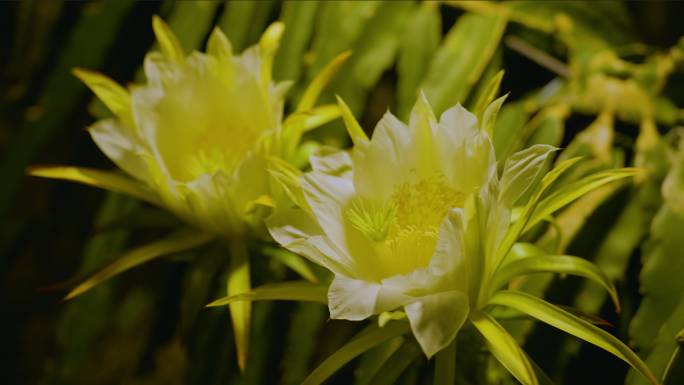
point(268, 45)
point(510, 366)
point(114, 96)
point(366, 339)
point(567, 322)
point(167, 40)
point(489, 119)
point(313, 91)
point(240, 311)
point(288, 291)
point(353, 127)
point(516, 229)
point(503, 313)
point(488, 95)
point(561, 264)
point(504, 346)
point(575, 190)
point(102, 179)
point(178, 241)
point(321, 115)
point(293, 188)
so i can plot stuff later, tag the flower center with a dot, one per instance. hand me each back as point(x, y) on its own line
point(404, 229)
point(212, 155)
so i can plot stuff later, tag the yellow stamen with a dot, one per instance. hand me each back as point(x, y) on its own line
point(409, 236)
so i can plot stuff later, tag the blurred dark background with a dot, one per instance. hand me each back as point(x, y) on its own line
point(45, 225)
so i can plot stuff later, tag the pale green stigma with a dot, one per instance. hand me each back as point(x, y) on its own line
point(375, 224)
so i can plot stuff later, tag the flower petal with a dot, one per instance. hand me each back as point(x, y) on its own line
point(354, 299)
point(330, 197)
point(436, 318)
point(120, 145)
point(472, 163)
point(332, 161)
point(289, 225)
point(449, 254)
point(377, 162)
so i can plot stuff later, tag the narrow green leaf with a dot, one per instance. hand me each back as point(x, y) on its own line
point(398, 362)
point(561, 264)
point(445, 365)
point(516, 230)
point(288, 291)
point(313, 91)
point(97, 178)
point(462, 57)
point(308, 120)
point(565, 321)
point(503, 313)
point(575, 190)
point(178, 241)
point(240, 311)
point(489, 119)
point(504, 346)
point(353, 128)
point(167, 40)
point(490, 92)
point(268, 46)
point(510, 365)
point(113, 95)
point(291, 260)
point(366, 339)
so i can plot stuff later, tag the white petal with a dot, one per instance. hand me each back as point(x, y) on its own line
point(473, 160)
point(436, 318)
point(120, 145)
point(330, 197)
point(449, 254)
point(419, 282)
point(289, 225)
point(377, 162)
point(354, 299)
point(460, 124)
point(521, 169)
point(332, 161)
point(424, 157)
